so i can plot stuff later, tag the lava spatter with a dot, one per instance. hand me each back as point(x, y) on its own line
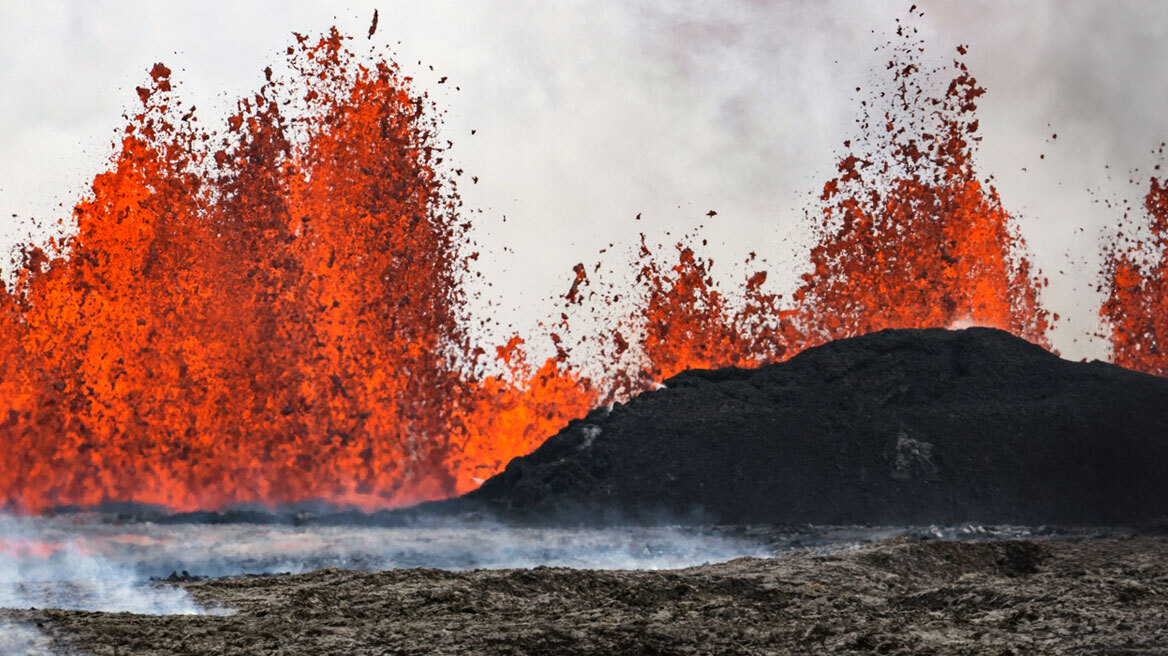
point(267, 313)
point(1135, 279)
point(909, 236)
point(678, 317)
point(274, 311)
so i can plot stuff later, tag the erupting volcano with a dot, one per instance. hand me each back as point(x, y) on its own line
point(256, 393)
point(275, 311)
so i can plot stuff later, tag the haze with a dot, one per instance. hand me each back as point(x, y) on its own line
point(588, 113)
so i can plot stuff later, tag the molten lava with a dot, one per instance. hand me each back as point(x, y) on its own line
point(274, 312)
point(271, 313)
point(909, 236)
point(1136, 281)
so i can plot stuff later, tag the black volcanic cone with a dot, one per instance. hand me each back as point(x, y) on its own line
point(895, 427)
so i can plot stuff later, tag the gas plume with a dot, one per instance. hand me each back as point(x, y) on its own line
point(45, 567)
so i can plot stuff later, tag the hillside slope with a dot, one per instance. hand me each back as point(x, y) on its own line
point(894, 427)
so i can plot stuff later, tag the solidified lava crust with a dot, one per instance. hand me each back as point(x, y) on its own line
point(897, 597)
point(898, 427)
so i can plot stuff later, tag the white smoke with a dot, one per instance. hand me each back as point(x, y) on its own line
point(110, 564)
point(113, 556)
point(24, 640)
point(42, 568)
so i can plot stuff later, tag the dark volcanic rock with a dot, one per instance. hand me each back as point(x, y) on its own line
point(895, 427)
point(1101, 596)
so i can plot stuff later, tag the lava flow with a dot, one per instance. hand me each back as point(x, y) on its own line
point(274, 312)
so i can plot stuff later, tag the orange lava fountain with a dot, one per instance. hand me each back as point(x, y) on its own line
point(274, 312)
point(268, 314)
point(1136, 280)
point(909, 236)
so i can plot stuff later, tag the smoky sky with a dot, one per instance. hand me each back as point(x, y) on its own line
point(589, 112)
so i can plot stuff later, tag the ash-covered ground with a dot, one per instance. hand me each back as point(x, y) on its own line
point(90, 584)
point(907, 595)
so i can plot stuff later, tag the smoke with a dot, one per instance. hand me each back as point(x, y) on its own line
point(24, 640)
point(663, 111)
point(1083, 66)
point(48, 566)
point(121, 551)
point(90, 562)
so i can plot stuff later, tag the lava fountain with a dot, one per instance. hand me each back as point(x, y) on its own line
point(908, 236)
point(266, 313)
point(1135, 278)
point(274, 311)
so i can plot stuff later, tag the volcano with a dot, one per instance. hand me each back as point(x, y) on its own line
point(895, 427)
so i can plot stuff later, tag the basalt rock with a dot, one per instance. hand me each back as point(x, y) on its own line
point(895, 427)
point(1033, 597)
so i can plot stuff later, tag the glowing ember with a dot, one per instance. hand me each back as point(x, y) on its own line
point(1136, 280)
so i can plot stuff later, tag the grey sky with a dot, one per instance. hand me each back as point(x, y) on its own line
point(589, 112)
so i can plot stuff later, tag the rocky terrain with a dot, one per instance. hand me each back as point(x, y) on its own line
point(904, 596)
point(895, 427)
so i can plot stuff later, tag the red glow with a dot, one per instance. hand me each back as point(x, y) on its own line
point(272, 313)
point(909, 236)
point(1136, 281)
point(23, 548)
